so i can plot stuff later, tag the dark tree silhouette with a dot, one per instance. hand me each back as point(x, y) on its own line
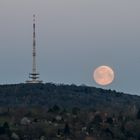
point(109, 120)
point(67, 129)
point(138, 114)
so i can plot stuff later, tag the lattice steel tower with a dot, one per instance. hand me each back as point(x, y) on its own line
point(34, 76)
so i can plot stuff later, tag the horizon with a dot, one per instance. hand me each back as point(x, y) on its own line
point(66, 84)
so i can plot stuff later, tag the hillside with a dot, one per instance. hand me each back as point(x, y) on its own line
point(64, 95)
point(67, 112)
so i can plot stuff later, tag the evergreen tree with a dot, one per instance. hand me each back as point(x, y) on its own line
point(138, 114)
point(67, 129)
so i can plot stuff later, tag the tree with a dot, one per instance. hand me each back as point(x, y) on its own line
point(75, 110)
point(97, 119)
point(56, 108)
point(2, 130)
point(67, 129)
point(138, 114)
point(6, 128)
point(109, 120)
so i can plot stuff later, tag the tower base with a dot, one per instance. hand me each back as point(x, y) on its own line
point(34, 81)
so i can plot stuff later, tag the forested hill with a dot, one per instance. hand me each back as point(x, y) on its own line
point(67, 96)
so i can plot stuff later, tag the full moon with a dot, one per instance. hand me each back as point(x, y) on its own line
point(103, 75)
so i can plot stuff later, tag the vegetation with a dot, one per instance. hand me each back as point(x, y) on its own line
point(67, 112)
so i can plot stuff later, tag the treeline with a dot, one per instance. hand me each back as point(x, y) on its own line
point(68, 96)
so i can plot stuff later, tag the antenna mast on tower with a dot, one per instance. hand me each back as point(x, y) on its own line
point(34, 75)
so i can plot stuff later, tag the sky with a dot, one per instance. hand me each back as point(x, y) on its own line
point(73, 38)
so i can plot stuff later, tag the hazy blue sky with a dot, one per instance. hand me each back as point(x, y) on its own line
point(73, 38)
